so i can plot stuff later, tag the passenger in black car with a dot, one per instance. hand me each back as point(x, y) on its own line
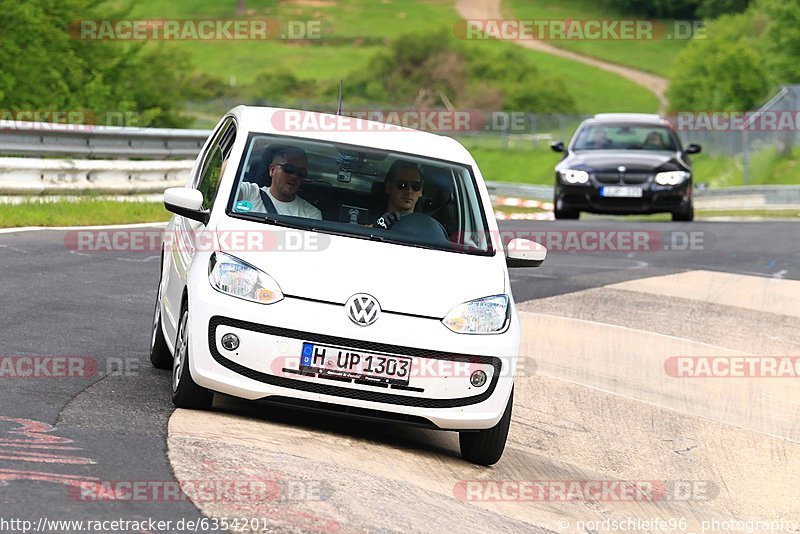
point(654, 141)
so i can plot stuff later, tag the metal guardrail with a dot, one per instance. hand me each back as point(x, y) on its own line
point(87, 141)
point(18, 138)
point(26, 176)
point(776, 197)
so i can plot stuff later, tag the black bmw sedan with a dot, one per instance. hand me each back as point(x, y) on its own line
point(624, 164)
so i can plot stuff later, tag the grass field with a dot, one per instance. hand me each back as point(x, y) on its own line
point(353, 31)
point(81, 213)
point(656, 55)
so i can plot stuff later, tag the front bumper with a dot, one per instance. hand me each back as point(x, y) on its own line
point(266, 364)
point(654, 199)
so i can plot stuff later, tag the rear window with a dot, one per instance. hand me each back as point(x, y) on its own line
point(361, 192)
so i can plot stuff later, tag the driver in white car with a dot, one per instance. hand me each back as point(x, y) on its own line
point(288, 169)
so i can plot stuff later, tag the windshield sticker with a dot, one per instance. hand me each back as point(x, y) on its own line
point(243, 205)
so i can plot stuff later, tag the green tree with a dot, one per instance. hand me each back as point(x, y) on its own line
point(782, 40)
point(726, 71)
point(46, 66)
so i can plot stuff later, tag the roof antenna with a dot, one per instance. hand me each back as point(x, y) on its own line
point(339, 109)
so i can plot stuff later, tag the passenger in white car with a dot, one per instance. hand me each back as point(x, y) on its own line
point(288, 169)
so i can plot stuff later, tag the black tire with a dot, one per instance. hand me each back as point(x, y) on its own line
point(686, 213)
point(485, 447)
point(160, 356)
point(567, 214)
point(185, 392)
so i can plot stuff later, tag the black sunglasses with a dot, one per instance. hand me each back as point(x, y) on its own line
point(402, 184)
point(288, 168)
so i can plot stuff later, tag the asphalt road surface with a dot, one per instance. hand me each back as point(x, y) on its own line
point(593, 401)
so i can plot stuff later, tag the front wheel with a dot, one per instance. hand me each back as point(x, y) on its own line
point(160, 356)
point(563, 213)
point(185, 392)
point(485, 447)
point(686, 213)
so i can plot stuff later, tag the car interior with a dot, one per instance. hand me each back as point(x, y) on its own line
point(349, 186)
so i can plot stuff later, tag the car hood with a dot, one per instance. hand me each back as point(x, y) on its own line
point(600, 160)
point(404, 279)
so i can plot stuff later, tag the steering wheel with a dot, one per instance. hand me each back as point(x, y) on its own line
point(421, 225)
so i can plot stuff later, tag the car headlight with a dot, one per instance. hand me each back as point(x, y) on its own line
point(237, 278)
point(671, 177)
point(488, 315)
point(572, 176)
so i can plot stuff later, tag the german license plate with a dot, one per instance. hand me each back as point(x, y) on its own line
point(327, 360)
point(621, 192)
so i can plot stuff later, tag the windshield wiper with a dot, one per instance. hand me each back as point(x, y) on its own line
point(271, 220)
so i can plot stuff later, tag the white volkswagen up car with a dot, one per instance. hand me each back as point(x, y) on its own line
point(342, 265)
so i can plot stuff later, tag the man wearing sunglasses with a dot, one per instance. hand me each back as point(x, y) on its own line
point(288, 169)
point(403, 186)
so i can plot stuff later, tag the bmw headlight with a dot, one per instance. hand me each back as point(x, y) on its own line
point(671, 177)
point(237, 278)
point(482, 316)
point(572, 176)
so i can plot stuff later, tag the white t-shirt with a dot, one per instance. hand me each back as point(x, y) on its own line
point(249, 199)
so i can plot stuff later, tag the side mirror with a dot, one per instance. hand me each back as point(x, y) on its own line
point(187, 202)
point(692, 149)
point(557, 146)
point(522, 252)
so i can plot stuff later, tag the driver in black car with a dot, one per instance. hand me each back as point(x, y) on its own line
point(403, 186)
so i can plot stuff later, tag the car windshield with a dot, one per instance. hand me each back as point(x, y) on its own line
point(360, 192)
point(625, 137)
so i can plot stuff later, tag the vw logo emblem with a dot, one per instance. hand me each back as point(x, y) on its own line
point(362, 309)
point(622, 168)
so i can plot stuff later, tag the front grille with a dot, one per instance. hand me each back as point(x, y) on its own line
point(327, 389)
point(607, 177)
point(625, 177)
point(635, 177)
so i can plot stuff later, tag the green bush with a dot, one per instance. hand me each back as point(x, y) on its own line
point(417, 70)
point(725, 71)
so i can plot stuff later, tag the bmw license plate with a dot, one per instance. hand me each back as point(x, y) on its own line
point(326, 360)
point(621, 192)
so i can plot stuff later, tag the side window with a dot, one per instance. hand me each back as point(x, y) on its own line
point(215, 162)
point(209, 181)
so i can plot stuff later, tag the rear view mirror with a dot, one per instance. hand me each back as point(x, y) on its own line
point(557, 146)
point(187, 202)
point(692, 149)
point(522, 252)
